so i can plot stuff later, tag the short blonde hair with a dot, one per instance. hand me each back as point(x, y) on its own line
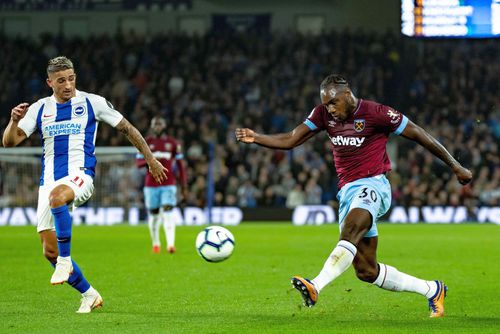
point(57, 64)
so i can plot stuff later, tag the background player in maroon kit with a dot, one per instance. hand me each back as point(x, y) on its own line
point(359, 130)
point(163, 195)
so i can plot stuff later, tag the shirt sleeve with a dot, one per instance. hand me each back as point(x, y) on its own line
point(315, 120)
point(178, 152)
point(179, 161)
point(29, 122)
point(391, 119)
point(105, 112)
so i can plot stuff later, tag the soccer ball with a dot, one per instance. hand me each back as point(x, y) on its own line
point(215, 243)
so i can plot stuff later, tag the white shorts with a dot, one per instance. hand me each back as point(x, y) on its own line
point(83, 187)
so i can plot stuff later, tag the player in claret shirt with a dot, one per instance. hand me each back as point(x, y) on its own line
point(163, 195)
point(359, 130)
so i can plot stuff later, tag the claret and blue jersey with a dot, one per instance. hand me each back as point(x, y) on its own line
point(167, 151)
point(68, 132)
point(359, 142)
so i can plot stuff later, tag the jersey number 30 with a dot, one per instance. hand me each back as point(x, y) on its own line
point(364, 193)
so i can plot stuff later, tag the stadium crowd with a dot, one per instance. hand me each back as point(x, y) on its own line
point(207, 86)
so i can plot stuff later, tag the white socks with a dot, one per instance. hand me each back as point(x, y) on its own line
point(154, 222)
point(169, 226)
point(389, 278)
point(91, 291)
point(64, 259)
point(154, 228)
point(339, 260)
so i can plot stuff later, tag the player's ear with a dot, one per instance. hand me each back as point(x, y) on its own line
point(348, 95)
point(49, 82)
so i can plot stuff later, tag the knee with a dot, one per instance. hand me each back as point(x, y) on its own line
point(367, 274)
point(50, 254)
point(350, 227)
point(352, 232)
point(167, 208)
point(56, 199)
point(355, 225)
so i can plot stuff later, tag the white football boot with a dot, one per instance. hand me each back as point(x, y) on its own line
point(91, 299)
point(64, 269)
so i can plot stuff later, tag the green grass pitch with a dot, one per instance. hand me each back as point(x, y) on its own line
point(251, 291)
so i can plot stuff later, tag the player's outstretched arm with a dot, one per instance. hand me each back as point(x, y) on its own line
point(156, 169)
point(284, 141)
point(13, 135)
point(419, 135)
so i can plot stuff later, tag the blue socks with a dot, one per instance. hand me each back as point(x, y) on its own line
point(62, 222)
point(77, 280)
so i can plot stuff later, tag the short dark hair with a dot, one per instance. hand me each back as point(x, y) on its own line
point(334, 79)
point(57, 64)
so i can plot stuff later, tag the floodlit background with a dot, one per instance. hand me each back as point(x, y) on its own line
point(208, 67)
point(211, 66)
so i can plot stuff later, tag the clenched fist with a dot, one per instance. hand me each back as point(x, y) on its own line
point(245, 135)
point(464, 175)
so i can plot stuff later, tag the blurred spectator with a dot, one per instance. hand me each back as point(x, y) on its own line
point(295, 197)
point(313, 192)
point(248, 195)
point(207, 85)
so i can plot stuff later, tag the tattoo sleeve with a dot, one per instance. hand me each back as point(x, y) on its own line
point(135, 137)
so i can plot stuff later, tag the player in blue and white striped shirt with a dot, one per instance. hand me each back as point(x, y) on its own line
point(67, 123)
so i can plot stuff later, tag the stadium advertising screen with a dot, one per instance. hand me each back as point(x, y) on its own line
point(450, 18)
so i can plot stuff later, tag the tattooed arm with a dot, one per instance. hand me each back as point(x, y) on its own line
point(156, 169)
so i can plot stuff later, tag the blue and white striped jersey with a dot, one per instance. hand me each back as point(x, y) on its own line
point(68, 132)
